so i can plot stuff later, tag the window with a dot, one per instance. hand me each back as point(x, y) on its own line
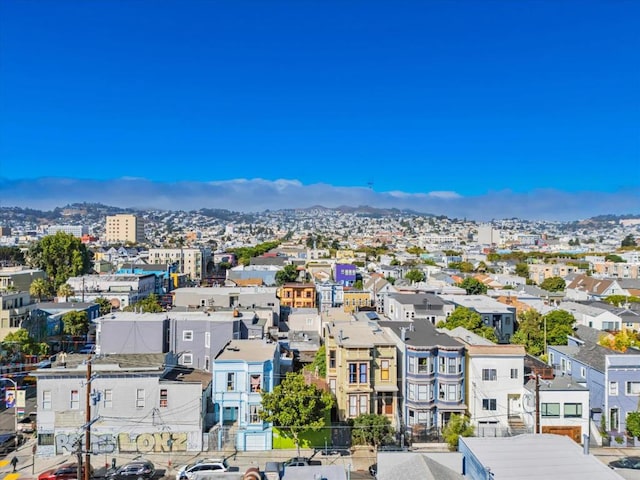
point(412, 391)
point(489, 404)
point(357, 373)
point(613, 389)
point(514, 373)
point(108, 398)
point(384, 370)
point(231, 381)
point(563, 364)
point(452, 366)
point(164, 400)
point(140, 398)
point(364, 404)
point(207, 363)
point(583, 372)
point(573, 410)
point(569, 366)
point(489, 374)
point(254, 414)
point(363, 373)
point(332, 359)
point(75, 400)
point(46, 439)
point(187, 359)
point(46, 400)
point(452, 393)
point(423, 365)
point(256, 383)
point(633, 388)
point(550, 410)
point(353, 405)
point(207, 339)
point(422, 392)
point(187, 335)
point(551, 358)
point(441, 364)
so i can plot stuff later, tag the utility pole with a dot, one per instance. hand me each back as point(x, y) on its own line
point(87, 434)
point(537, 404)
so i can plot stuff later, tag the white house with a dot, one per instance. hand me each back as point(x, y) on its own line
point(592, 316)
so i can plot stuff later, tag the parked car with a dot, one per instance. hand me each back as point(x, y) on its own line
point(27, 424)
point(206, 465)
point(89, 348)
point(138, 470)
point(8, 442)
point(298, 462)
point(626, 462)
point(66, 471)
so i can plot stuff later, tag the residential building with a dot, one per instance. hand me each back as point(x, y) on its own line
point(432, 376)
point(487, 235)
point(494, 380)
point(590, 314)
point(120, 290)
point(305, 320)
point(45, 323)
point(124, 228)
point(193, 261)
point(77, 231)
point(241, 372)
point(139, 404)
point(611, 377)
point(16, 279)
point(345, 274)
point(163, 273)
point(14, 311)
point(409, 306)
point(354, 300)
point(297, 295)
point(584, 287)
point(564, 407)
point(539, 272)
point(494, 314)
point(362, 369)
point(534, 457)
point(330, 295)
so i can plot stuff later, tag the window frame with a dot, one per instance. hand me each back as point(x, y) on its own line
point(164, 398)
point(545, 410)
point(187, 335)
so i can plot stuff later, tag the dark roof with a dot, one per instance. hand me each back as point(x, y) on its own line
point(133, 361)
point(278, 261)
point(425, 301)
point(586, 334)
point(422, 334)
point(189, 375)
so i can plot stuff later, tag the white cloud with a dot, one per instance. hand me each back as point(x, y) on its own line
point(260, 194)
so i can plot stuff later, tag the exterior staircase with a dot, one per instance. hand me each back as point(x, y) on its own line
point(517, 426)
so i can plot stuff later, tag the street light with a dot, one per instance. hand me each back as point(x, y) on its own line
point(15, 405)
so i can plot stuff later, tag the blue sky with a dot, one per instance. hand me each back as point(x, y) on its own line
point(476, 99)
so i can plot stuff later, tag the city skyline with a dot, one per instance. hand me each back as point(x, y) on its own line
point(476, 109)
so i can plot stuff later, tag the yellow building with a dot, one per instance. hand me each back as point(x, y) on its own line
point(124, 228)
point(362, 369)
point(297, 295)
point(356, 299)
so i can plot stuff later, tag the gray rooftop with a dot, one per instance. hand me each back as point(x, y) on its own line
point(421, 333)
point(559, 383)
point(248, 350)
point(540, 456)
point(71, 363)
point(419, 466)
point(424, 300)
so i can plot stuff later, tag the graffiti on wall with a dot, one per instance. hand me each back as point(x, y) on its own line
point(159, 442)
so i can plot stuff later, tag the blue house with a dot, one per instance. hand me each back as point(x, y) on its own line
point(241, 372)
point(162, 273)
point(345, 274)
point(432, 372)
point(613, 378)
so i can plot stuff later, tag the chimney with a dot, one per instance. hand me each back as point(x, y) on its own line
point(403, 332)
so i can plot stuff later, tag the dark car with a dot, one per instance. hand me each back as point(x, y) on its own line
point(626, 462)
point(66, 471)
point(138, 470)
point(8, 442)
point(298, 462)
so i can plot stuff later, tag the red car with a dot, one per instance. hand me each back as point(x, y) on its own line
point(66, 471)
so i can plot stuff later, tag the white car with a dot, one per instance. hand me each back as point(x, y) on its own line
point(208, 465)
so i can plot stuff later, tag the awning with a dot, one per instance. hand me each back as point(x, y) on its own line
point(385, 388)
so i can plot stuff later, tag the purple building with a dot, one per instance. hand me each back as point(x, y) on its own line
point(345, 274)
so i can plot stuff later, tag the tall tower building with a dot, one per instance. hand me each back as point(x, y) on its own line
point(124, 228)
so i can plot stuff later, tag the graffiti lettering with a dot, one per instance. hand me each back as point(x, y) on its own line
point(153, 442)
point(100, 443)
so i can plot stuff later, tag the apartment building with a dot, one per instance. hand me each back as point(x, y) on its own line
point(297, 295)
point(75, 230)
point(124, 228)
point(19, 278)
point(193, 261)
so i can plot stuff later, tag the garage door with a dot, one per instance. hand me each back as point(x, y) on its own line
point(255, 442)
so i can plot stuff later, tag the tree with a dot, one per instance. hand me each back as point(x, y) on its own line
point(61, 256)
point(295, 407)
point(559, 326)
point(76, 322)
point(358, 285)
point(628, 241)
point(319, 363)
point(530, 332)
point(473, 286)
point(614, 258)
point(467, 318)
point(288, 274)
point(65, 290)
point(371, 429)
point(633, 424)
point(619, 341)
point(148, 304)
point(40, 288)
point(458, 426)
point(415, 276)
point(11, 256)
point(104, 304)
point(20, 341)
point(522, 269)
point(391, 280)
point(553, 284)
point(619, 300)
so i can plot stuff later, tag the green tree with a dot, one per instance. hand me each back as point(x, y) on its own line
point(288, 274)
point(633, 424)
point(294, 407)
point(620, 341)
point(559, 326)
point(467, 318)
point(148, 304)
point(357, 285)
point(65, 290)
point(104, 304)
point(20, 341)
point(319, 363)
point(522, 269)
point(553, 284)
point(11, 256)
point(620, 300)
point(458, 426)
point(628, 241)
point(75, 322)
point(61, 255)
point(415, 276)
point(40, 288)
point(614, 258)
point(473, 286)
point(371, 429)
point(391, 280)
point(530, 332)
point(415, 250)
